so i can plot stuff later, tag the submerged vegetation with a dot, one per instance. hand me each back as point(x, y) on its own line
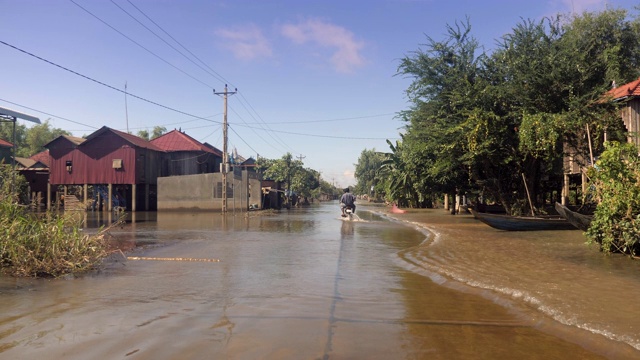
point(43, 245)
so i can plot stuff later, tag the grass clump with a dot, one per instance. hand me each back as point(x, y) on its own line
point(43, 245)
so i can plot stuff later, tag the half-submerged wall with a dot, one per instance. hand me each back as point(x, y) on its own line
point(203, 192)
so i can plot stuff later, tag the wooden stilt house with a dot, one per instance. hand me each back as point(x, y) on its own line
point(122, 169)
point(186, 155)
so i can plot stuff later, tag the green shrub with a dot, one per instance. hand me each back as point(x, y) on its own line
point(615, 181)
point(48, 244)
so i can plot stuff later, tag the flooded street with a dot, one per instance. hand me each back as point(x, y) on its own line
point(304, 284)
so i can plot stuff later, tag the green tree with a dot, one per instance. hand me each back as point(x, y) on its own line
point(444, 88)
point(39, 135)
point(366, 172)
point(144, 134)
point(282, 170)
point(158, 131)
point(6, 133)
point(30, 141)
point(305, 182)
point(479, 122)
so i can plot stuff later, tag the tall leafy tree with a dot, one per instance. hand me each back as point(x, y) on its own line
point(30, 141)
point(158, 131)
point(366, 172)
point(144, 134)
point(283, 170)
point(39, 135)
point(443, 89)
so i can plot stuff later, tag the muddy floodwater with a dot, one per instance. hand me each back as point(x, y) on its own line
point(304, 284)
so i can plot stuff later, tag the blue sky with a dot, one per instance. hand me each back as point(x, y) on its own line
point(314, 78)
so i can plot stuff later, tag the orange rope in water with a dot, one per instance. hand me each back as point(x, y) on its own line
point(170, 259)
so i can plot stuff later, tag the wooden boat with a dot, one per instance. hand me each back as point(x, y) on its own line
point(523, 223)
point(581, 221)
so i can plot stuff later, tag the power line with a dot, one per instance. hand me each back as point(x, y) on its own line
point(328, 136)
point(328, 120)
point(215, 74)
point(46, 113)
point(163, 40)
point(144, 48)
point(259, 136)
point(254, 150)
point(106, 85)
point(275, 136)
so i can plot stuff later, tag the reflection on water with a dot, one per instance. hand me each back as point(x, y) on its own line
point(300, 284)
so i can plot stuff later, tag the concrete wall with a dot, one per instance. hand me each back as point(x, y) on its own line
point(203, 192)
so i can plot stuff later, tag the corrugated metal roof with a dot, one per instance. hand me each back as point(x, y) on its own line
point(25, 162)
point(6, 144)
point(42, 157)
point(626, 90)
point(134, 140)
point(215, 149)
point(72, 139)
point(75, 140)
point(176, 140)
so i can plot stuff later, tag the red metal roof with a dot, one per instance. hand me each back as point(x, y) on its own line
point(176, 140)
point(623, 91)
point(6, 144)
point(42, 157)
point(134, 140)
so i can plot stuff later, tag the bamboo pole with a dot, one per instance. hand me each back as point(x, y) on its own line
point(528, 196)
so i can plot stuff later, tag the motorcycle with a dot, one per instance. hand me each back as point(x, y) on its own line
point(348, 212)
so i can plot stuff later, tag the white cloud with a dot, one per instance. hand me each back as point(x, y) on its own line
point(348, 178)
point(346, 49)
point(247, 43)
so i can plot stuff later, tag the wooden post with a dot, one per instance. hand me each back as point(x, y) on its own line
point(584, 185)
point(528, 195)
point(65, 197)
point(85, 195)
point(446, 201)
point(48, 207)
point(110, 197)
point(133, 197)
point(565, 190)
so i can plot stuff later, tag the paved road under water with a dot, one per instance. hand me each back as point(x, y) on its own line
point(301, 284)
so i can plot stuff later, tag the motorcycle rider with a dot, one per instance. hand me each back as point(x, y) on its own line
point(347, 200)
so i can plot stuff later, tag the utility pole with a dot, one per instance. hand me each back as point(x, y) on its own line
point(225, 156)
point(301, 157)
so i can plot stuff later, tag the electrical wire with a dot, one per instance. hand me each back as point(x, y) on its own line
point(327, 136)
point(106, 85)
point(140, 45)
point(46, 113)
point(213, 73)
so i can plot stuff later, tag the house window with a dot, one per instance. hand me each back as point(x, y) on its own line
point(69, 166)
point(117, 163)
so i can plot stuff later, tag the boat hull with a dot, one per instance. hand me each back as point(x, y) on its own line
point(523, 223)
point(580, 221)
